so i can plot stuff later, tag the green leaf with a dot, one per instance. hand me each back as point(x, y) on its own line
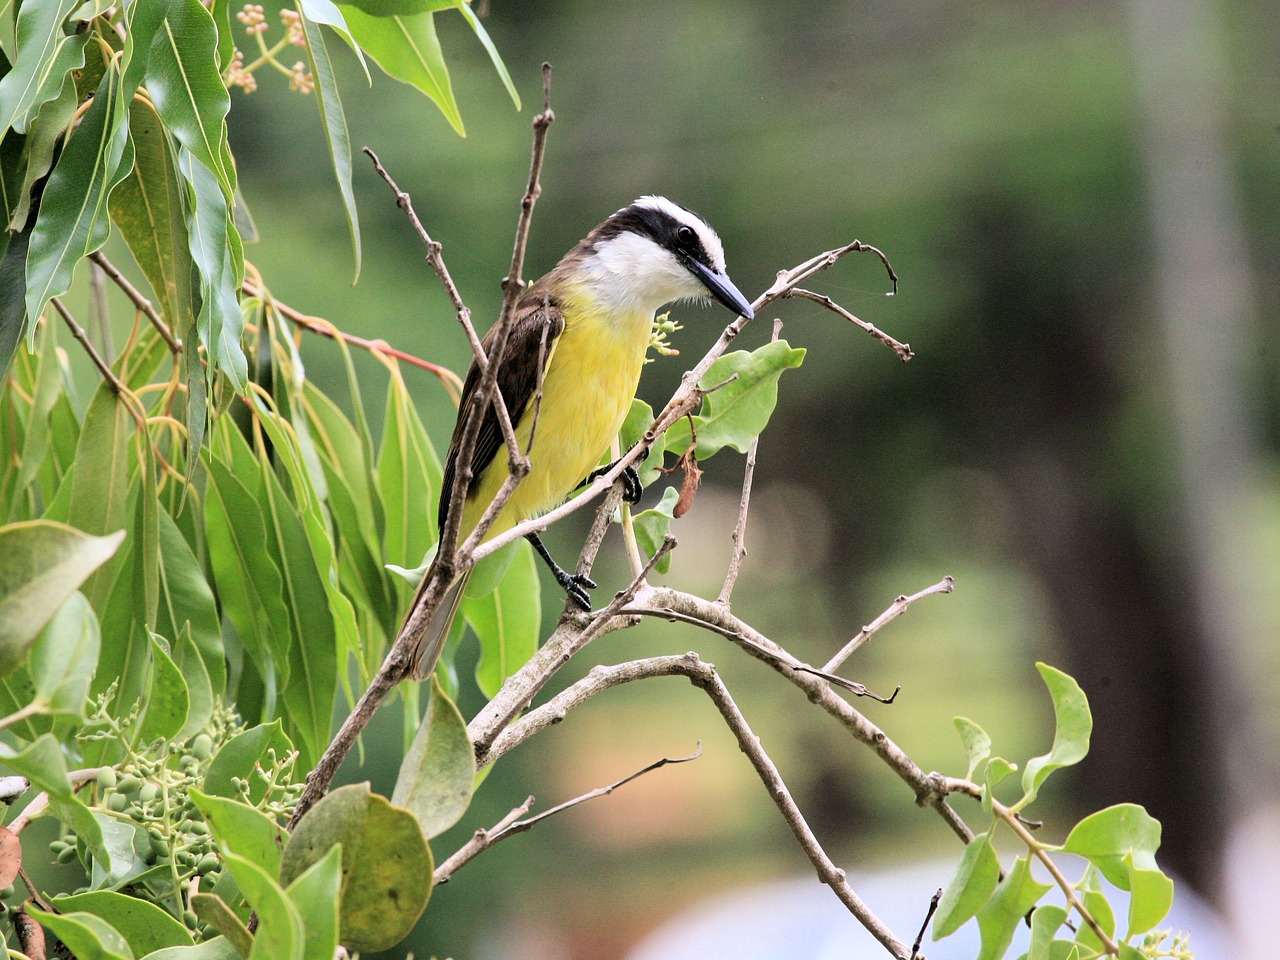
point(998, 769)
point(653, 525)
point(41, 565)
point(186, 600)
point(483, 36)
point(214, 246)
point(63, 660)
point(639, 419)
point(100, 480)
point(167, 700)
point(200, 688)
point(72, 222)
point(13, 294)
point(87, 937)
point(970, 888)
point(52, 122)
point(327, 13)
point(238, 757)
point(144, 926)
point(1121, 841)
point(1072, 725)
point(386, 868)
point(738, 411)
point(42, 763)
point(46, 56)
point(1095, 901)
point(393, 8)
point(407, 48)
point(1017, 893)
point(280, 934)
point(439, 771)
point(46, 390)
point(409, 482)
point(250, 587)
point(977, 744)
point(315, 895)
point(187, 89)
point(506, 621)
point(148, 210)
point(335, 125)
point(1047, 919)
point(219, 948)
point(243, 830)
point(213, 910)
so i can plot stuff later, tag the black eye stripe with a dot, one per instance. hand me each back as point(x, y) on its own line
point(658, 226)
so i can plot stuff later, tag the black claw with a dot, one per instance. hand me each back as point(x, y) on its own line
point(632, 488)
point(575, 585)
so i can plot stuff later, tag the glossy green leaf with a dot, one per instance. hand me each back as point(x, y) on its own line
point(507, 620)
point(738, 411)
point(409, 481)
point(970, 888)
point(998, 769)
point(100, 479)
point(407, 48)
point(46, 55)
point(1121, 841)
point(62, 661)
point(147, 208)
point(335, 125)
point(41, 565)
point(214, 246)
point(238, 757)
point(144, 926)
point(186, 601)
point(977, 745)
point(439, 770)
point(37, 159)
point(200, 688)
point(1094, 898)
point(187, 89)
point(1072, 725)
point(653, 525)
point(213, 910)
point(167, 698)
point(386, 869)
point(315, 894)
point(88, 937)
point(43, 764)
point(639, 419)
point(1047, 919)
point(486, 41)
point(280, 934)
point(326, 12)
point(242, 830)
point(13, 294)
point(393, 8)
point(125, 841)
point(72, 222)
point(250, 586)
point(1017, 893)
point(45, 392)
point(219, 948)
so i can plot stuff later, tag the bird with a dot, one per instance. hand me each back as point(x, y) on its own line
point(580, 333)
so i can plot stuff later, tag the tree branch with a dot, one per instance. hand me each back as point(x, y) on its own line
point(139, 301)
point(896, 609)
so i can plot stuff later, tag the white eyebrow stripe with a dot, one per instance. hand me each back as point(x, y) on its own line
point(710, 241)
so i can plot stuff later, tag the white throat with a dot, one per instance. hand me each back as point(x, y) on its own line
point(632, 274)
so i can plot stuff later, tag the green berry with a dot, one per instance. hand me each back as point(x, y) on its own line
point(67, 855)
point(202, 746)
point(106, 778)
point(116, 802)
point(148, 792)
point(129, 784)
point(208, 863)
point(190, 917)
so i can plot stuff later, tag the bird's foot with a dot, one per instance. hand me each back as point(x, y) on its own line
point(632, 488)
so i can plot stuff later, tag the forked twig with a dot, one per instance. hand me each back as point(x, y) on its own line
point(896, 609)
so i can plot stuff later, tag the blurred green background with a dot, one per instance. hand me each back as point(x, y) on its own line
point(1080, 199)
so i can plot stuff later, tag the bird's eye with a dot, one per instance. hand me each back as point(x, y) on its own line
point(685, 235)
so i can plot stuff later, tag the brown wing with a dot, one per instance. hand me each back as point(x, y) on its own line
point(537, 324)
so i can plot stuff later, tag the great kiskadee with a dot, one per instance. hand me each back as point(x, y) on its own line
point(581, 332)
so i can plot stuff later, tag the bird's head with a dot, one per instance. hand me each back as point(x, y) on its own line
point(654, 252)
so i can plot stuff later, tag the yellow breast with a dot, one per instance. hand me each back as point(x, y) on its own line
point(589, 383)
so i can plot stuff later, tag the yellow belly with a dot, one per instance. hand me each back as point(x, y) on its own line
point(587, 391)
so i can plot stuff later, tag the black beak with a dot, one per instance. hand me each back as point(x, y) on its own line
point(721, 288)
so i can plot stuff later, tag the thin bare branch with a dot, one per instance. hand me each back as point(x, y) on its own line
point(139, 301)
point(480, 841)
point(903, 350)
point(77, 331)
point(513, 285)
point(933, 908)
point(896, 609)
